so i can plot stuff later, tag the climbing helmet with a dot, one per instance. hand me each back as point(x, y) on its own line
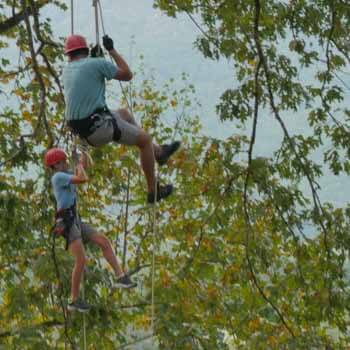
point(54, 155)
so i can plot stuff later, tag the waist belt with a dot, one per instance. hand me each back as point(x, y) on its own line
point(87, 126)
point(64, 219)
point(70, 212)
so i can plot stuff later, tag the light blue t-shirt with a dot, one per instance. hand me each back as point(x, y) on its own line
point(63, 189)
point(84, 85)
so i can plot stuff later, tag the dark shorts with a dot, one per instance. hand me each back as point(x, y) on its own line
point(80, 230)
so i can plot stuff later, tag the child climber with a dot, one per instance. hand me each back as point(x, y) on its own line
point(74, 230)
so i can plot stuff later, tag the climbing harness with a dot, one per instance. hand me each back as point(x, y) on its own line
point(64, 220)
point(101, 118)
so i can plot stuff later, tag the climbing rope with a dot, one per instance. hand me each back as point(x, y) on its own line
point(72, 32)
point(98, 11)
point(98, 3)
point(61, 291)
point(101, 17)
point(72, 16)
point(53, 249)
point(154, 222)
point(153, 253)
point(75, 163)
point(75, 160)
point(94, 4)
point(56, 265)
point(84, 318)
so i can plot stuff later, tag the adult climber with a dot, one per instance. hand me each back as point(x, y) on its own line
point(88, 116)
point(73, 229)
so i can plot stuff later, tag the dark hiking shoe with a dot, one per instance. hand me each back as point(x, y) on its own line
point(78, 305)
point(125, 282)
point(162, 192)
point(167, 152)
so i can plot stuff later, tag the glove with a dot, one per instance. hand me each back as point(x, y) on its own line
point(96, 51)
point(107, 43)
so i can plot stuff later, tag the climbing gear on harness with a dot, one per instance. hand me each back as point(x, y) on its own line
point(64, 220)
point(53, 156)
point(96, 51)
point(116, 131)
point(161, 193)
point(74, 42)
point(87, 126)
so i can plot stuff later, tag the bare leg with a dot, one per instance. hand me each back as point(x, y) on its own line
point(108, 252)
point(77, 250)
point(144, 143)
point(127, 116)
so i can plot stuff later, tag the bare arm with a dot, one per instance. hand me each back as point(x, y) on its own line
point(124, 73)
point(80, 175)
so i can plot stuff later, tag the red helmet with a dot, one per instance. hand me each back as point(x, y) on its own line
point(74, 42)
point(54, 155)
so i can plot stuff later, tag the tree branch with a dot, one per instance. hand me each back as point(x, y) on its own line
point(38, 77)
point(250, 156)
point(17, 18)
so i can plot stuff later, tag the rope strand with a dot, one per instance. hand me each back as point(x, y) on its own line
point(154, 222)
point(72, 16)
point(84, 319)
point(97, 29)
point(75, 162)
point(101, 17)
point(61, 290)
point(153, 253)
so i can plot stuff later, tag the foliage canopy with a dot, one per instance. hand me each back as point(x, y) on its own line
point(245, 257)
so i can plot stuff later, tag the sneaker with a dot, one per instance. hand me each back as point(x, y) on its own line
point(162, 192)
point(125, 282)
point(167, 152)
point(78, 305)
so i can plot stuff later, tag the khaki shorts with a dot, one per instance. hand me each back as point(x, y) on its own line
point(79, 230)
point(104, 133)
